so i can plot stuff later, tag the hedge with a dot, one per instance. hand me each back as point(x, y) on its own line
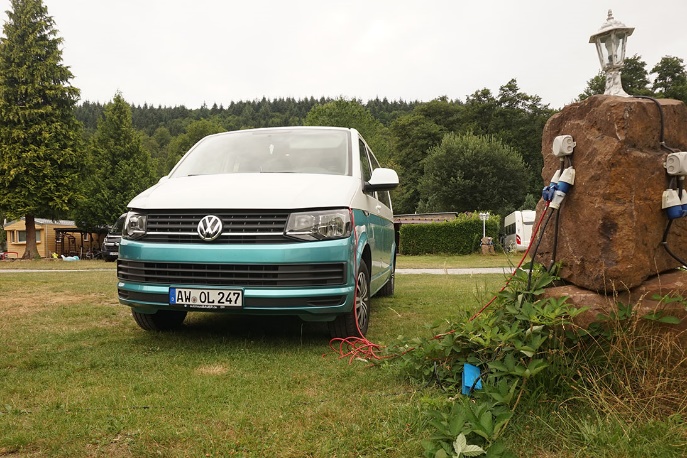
point(459, 236)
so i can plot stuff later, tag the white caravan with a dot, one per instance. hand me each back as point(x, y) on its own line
point(518, 228)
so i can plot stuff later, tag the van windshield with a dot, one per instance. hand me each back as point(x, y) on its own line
point(324, 151)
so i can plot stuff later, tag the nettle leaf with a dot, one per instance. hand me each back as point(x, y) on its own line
point(473, 450)
point(661, 317)
point(461, 447)
point(441, 454)
point(535, 366)
point(486, 421)
point(457, 423)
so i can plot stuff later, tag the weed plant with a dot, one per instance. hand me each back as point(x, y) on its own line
point(548, 387)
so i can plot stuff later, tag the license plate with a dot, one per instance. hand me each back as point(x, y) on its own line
point(206, 298)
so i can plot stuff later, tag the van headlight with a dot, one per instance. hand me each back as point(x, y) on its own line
point(319, 225)
point(134, 226)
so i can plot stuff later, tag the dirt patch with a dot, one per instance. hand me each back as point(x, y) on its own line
point(213, 369)
point(22, 304)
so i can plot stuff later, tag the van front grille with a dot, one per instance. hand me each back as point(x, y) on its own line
point(271, 275)
point(239, 227)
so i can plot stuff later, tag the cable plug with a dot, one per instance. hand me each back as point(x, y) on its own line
point(566, 181)
point(548, 192)
point(672, 204)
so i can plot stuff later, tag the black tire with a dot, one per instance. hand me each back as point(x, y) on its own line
point(162, 320)
point(388, 288)
point(345, 325)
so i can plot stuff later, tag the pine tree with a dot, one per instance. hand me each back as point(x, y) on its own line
point(40, 159)
point(119, 167)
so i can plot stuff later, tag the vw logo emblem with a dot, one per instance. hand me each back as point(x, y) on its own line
point(209, 228)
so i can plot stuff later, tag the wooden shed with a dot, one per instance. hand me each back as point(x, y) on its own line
point(61, 237)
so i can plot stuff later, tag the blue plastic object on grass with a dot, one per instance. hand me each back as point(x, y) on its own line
point(470, 376)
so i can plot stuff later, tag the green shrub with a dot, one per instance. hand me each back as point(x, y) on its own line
point(459, 236)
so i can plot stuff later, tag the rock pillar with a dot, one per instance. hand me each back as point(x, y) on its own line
point(611, 224)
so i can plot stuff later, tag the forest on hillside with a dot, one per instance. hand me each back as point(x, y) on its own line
point(405, 135)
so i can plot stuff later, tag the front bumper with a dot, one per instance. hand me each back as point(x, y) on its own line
point(313, 280)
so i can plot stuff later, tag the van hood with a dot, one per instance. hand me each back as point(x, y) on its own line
point(249, 191)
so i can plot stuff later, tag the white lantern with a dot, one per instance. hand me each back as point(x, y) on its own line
point(610, 41)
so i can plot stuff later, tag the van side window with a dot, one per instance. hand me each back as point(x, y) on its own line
point(382, 196)
point(364, 161)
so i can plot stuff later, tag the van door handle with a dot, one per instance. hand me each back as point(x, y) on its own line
point(378, 208)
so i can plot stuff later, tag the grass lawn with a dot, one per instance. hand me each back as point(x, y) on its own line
point(457, 262)
point(79, 378)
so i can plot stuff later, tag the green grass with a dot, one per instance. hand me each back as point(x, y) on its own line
point(79, 378)
point(456, 262)
point(55, 264)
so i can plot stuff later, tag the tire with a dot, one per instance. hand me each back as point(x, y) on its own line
point(162, 320)
point(388, 288)
point(345, 326)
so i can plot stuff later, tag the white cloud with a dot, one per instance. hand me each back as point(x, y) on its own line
point(176, 52)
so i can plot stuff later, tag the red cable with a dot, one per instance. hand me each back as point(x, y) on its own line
point(362, 348)
point(358, 347)
point(524, 256)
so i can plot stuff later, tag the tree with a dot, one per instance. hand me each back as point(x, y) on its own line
point(634, 78)
point(671, 78)
point(195, 131)
point(516, 118)
point(467, 172)
point(412, 137)
point(40, 160)
point(119, 167)
point(595, 86)
point(351, 113)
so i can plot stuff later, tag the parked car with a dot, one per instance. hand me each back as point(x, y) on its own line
point(112, 239)
point(278, 221)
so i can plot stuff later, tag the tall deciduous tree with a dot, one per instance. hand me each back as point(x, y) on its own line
point(671, 78)
point(412, 137)
point(351, 113)
point(120, 167)
point(196, 130)
point(40, 161)
point(517, 119)
point(467, 172)
point(634, 78)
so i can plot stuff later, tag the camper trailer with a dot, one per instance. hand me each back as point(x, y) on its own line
point(518, 229)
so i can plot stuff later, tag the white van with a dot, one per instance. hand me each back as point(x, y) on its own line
point(279, 221)
point(518, 228)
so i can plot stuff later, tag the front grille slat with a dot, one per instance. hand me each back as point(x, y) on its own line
point(238, 275)
point(239, 227)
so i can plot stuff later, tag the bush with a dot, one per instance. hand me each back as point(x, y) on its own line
point(459, 236)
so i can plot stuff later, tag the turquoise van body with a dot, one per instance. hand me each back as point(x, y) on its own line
point(319, 255)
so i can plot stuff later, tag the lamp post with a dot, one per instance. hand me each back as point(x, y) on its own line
point(610, 43)
point(484, 217)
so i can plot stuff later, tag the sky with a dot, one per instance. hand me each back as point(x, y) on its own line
point(195, 52)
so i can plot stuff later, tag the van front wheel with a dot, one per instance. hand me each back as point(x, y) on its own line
point(355, 322)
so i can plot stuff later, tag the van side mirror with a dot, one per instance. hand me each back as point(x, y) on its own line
point(382, 180)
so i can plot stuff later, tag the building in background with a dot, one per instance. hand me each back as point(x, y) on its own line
point(60, 237)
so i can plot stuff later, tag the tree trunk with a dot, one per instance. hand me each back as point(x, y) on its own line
point(31, 251)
